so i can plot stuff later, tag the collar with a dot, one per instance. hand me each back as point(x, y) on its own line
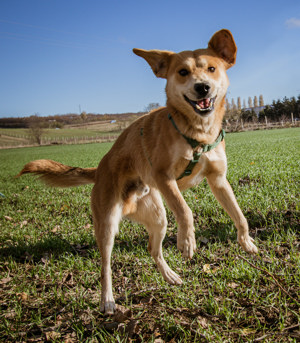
point(194, 143)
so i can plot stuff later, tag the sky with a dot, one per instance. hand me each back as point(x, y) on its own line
point(67, 56)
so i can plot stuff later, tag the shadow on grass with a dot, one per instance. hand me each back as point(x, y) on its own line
point(55, 246)
point(23, 252)
point(264, 225)
point(261, 225)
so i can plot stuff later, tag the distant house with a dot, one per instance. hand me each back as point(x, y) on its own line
point(255, 109)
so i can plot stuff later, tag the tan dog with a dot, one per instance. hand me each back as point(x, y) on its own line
point(154, 157)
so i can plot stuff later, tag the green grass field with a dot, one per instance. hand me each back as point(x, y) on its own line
point(23, 137)
point(50, 265)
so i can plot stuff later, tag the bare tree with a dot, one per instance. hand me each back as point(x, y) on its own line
point(232, 113)
point(233, 105)
point(250, 102)
point(239, 104)
point(152, 106)
point(227, 105)
point(36, 128)
point(83, 116)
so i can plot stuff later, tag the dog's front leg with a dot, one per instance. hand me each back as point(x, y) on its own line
point(186, 241)
point(224, 194)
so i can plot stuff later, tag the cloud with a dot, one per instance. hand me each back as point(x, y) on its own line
point(293, 22)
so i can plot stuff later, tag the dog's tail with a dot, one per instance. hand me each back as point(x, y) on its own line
point(59, 175)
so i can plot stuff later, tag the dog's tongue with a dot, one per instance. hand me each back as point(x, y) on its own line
point(204, 103)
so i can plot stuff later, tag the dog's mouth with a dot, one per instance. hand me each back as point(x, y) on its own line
point(203, 106)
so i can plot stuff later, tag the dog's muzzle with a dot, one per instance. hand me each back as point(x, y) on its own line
point(203, 106)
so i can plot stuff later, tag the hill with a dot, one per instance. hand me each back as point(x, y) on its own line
point(69, 120)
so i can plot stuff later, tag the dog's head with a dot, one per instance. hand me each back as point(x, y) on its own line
point(196, 80)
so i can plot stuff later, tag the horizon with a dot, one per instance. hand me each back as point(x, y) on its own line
point(67, 57)
point(140, 112)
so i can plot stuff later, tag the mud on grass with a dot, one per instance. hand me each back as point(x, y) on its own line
point(50, 265)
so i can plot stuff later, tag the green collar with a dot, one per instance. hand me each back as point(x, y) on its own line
point(194, 143)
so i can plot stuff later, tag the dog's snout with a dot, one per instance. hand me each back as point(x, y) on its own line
point(202, 89)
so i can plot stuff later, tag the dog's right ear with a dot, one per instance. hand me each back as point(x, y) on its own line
point(158, 60)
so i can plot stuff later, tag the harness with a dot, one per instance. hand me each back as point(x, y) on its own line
point(193, 144)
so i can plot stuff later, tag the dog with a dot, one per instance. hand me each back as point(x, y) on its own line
point(161, 154)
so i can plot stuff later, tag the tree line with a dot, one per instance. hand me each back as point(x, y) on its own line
point(252, 111)
point(255, 102)
point(282, 109)
point(60, 120)
point(279, 110)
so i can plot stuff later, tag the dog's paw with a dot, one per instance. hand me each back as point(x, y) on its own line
point(171, 277)
point(247, 244)
point(108, 307)
point(187, 245)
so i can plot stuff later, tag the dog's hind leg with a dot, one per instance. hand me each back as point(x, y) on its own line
point(151, 213)
point(106, 220)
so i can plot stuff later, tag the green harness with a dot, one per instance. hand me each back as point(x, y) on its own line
point(194, 144)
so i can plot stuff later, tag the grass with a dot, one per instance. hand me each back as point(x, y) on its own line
point(59, 133)
point(50, 265)
point(23, 137)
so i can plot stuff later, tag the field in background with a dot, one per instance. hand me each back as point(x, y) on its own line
point(74, 135)
point(50, 265)
point(85, 131)
point(108, 130)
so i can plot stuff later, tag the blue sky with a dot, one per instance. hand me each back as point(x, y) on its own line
point(57, 55)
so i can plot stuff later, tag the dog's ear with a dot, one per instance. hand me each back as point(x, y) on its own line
point(223, 44)
point(158, 60)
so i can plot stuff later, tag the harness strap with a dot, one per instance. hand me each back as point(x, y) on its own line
point(194, 143)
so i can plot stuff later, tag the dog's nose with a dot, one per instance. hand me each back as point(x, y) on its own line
point(202, 89)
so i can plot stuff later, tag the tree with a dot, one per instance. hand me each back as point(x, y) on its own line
point(250, 102)
point(36, 128)
point(244, 103)
point(281, 109)
point(83, 116)
point(152, 106)
point(227, 106)
point(239, 104)
point(255, 101)
point(261, 101)
point(232, 113)
point(233, 105)
point(248, 116)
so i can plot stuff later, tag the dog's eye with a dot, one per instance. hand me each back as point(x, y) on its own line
point(211, 69)
point(183, 72)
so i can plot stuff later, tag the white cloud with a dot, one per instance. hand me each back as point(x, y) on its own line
point(293, 22)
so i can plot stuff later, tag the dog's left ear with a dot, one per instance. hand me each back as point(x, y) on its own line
point(223, 44)
point(158, 60)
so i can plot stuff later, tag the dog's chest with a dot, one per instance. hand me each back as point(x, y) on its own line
point(210, 162)
point(196, 177)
